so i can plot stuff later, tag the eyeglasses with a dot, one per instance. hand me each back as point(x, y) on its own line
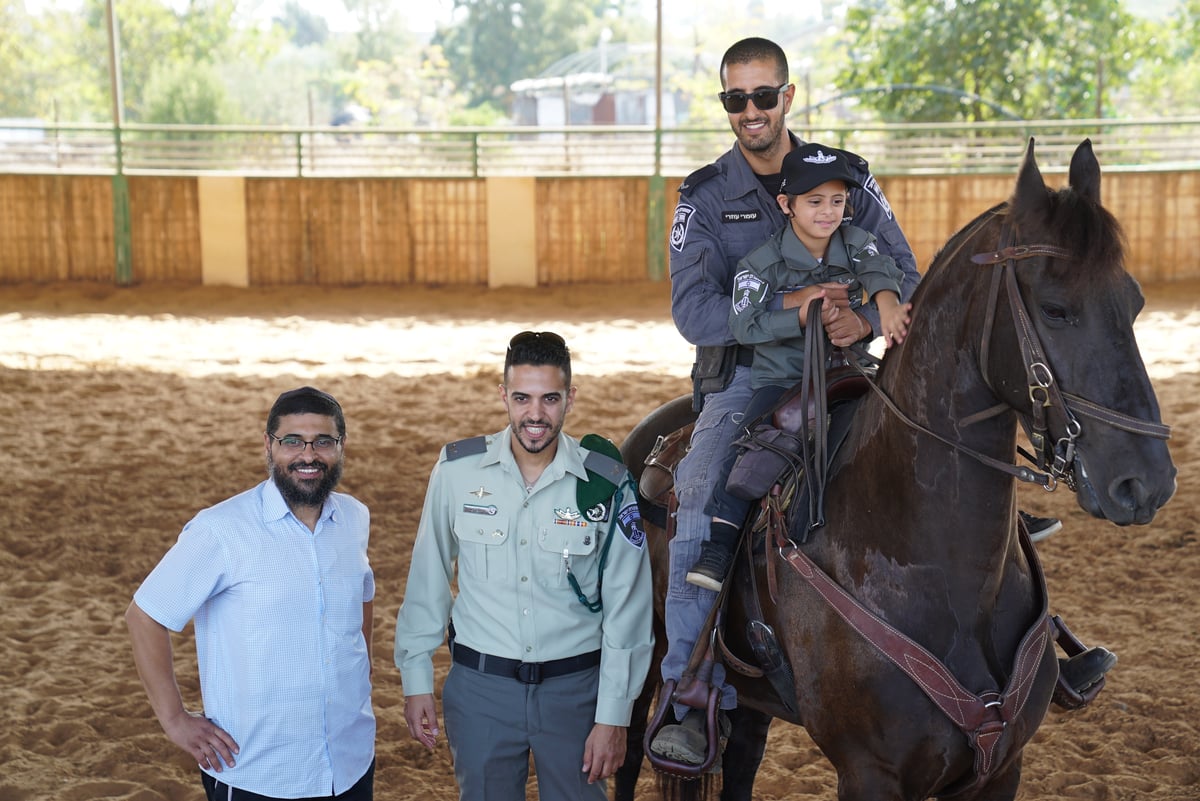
point(764, 99)
point(529, 337)
point(294, 444)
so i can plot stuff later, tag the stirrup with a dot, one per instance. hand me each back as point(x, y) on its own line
point(693, 695)
point(1065, 695)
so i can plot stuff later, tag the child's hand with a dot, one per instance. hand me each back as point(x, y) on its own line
point(894, 323)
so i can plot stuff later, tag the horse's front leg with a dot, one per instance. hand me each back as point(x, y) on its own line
point(867, 781)
point(743, 753)
point(626, 778)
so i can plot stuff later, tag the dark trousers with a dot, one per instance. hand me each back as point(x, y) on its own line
point(216, 790)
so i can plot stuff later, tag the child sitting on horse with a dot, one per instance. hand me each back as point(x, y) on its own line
point(817, 246)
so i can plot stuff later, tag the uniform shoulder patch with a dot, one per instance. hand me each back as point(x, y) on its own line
point(748, 289)
point(466, 447)
point(698, 177)
point(679, 225)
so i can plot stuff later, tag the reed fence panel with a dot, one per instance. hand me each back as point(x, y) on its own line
point(56, 228)
point(591, 230)
point(164, 224)
point(431, 231)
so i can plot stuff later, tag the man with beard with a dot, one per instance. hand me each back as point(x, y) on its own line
point(725, 210)
point(278, 583)
point(551, 633)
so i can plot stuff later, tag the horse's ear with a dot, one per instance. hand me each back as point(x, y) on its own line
point(1031, 188)
point(1084, 174)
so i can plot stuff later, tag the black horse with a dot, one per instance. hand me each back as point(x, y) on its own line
point(1024, 317)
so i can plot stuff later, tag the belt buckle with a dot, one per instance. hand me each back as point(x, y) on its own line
point(529, 673)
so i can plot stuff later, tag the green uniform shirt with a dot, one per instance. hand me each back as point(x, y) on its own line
point(511, 550)
point(783, 264)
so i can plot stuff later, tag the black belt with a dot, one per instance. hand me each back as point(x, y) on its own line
point(524, 672)
point(745, 355)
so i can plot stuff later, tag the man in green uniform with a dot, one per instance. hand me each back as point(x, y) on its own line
point(550, 631)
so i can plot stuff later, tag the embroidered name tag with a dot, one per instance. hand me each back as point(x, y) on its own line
point(740, 216)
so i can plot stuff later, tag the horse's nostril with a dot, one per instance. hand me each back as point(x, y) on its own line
point(1130, 493)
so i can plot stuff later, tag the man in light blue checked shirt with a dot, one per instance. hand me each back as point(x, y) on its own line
point(279, 586)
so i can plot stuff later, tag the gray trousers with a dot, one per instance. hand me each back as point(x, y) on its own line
point(493, 723)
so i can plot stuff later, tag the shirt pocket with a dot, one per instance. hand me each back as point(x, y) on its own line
point(482, 545)
point(569, 545)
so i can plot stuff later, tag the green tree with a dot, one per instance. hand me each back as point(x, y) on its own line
point(303, 27)
point(184, 91)
point(497, 42)
point(1167, 80)
point(1034, 58)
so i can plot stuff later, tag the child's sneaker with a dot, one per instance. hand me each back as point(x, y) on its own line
point(712, 566)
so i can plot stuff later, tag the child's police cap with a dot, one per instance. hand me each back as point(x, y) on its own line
point(809, 166)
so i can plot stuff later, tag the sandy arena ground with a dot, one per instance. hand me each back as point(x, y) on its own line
point(130, 409)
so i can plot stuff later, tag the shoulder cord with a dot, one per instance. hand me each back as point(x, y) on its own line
point(598, 604)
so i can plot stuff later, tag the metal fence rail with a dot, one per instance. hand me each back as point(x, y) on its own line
point(1169, 143)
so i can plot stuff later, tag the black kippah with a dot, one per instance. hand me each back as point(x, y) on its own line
point(305, 400)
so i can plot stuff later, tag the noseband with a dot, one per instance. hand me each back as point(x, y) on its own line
point(1050, 406)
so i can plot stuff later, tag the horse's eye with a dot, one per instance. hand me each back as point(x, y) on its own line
point(1055, 314)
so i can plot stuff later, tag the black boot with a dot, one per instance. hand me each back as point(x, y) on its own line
point(1086, 668)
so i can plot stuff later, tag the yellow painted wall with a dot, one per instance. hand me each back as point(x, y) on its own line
point(223, 231)
point(512, 232)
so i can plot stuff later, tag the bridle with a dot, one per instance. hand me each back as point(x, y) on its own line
point(1049, 405)
point(1051, 408)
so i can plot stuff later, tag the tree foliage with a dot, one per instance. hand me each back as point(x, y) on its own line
point(1167, 80)
point(497, 42)
point(1034, 59)
point(199, 61)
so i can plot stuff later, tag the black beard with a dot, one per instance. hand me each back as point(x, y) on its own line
point(537, 448)
point(307, 494)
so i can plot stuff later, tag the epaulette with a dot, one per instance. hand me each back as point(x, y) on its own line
point(605, 466)
point(855, 237)
point(698, 177)
point(471, 446)
point(856, 161)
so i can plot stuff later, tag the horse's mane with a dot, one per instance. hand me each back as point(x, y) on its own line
point(1080, 225)
point(1066, 219)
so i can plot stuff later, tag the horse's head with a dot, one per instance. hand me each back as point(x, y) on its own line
point(1065, 357)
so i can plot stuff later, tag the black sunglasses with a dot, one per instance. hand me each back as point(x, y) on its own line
point(764, 99)
point(528, 337)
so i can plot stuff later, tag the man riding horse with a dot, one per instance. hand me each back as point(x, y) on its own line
point(725, 210)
